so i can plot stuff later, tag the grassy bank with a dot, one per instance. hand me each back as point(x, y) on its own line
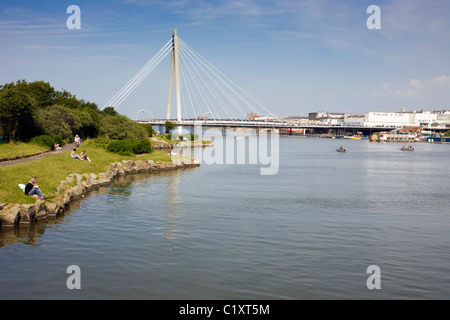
point(51, 170)
point(10, 150)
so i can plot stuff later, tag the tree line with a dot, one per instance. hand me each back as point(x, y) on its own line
point(29, 109)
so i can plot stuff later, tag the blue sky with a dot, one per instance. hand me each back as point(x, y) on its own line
point(293, 56)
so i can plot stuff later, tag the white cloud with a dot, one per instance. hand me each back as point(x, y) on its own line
point(426, 92)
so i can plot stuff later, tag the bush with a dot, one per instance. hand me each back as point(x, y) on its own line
point(121, 128)
point(44, 141)
point(130, 147)
point(148, 128)
point(58, 139)
point(97, 143)
point(192, 136)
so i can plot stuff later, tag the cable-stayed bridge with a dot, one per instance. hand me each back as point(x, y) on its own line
point(204, 95)
point(201, 90)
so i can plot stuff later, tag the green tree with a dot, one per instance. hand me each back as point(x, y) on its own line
point(169, 126)
point(15, 108)
point(110, 111)
point(119, 127)
point(63, 121)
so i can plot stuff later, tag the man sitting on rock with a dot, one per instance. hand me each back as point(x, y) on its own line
point(33, 188)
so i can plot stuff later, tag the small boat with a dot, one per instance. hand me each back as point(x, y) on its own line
point(341, 150)
point(409, 148)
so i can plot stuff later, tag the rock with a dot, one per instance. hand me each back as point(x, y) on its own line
point(66, 199)
point(104, 176)
point(77, 176)
point(53, 208)
point(77, 191)
point(152, 164)
point(120, 170)
point(87, 185)
point(178, 163)
point(142, 165)
point(10, 215)
point(27, 213)
point(170, 165)
point(41, 211)
point(102, 181)
point(60, 188)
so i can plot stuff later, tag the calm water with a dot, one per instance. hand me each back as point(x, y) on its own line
point(226, 232)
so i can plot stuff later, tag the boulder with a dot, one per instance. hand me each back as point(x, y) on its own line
point(53, 208)
point(27, 213)
point(60, 188)
point(10, 215)
point(77, 191)
point(170, 165)
point(77, 176)
point(87, 185)
point(178, 163)
point(142, 165)
point(41, 211)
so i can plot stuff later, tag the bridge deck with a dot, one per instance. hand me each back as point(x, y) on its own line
point(271, 124)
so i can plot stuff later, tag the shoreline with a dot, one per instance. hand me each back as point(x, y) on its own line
point(75, 186)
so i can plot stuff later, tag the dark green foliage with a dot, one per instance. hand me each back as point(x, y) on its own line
point(192, 136)
point(148, 128)
point(30, 109)
point(15, 109)
point(44, 141)
point(119, 127)
point(58, 139)
point(110, 111)
point(169, 126)
point(130, 147)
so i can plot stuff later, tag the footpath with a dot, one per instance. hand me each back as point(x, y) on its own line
point(22, 159)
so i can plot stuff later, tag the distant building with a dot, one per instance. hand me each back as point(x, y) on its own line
point(327, 118)
point(391, 119)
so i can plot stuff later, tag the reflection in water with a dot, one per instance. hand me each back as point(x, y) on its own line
point(173, 211)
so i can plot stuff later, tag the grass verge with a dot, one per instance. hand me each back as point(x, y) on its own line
point(10, 150)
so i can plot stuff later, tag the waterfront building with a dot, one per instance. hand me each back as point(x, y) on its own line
point(327, 118)
point(392, 119)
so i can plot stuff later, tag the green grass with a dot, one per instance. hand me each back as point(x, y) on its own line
point(53, 169)
point(12, 149)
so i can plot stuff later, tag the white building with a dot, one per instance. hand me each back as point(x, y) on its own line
point(390, 119)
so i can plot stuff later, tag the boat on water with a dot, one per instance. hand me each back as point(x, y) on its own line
point(353, 137)
point(408, 148)
point(341, 149)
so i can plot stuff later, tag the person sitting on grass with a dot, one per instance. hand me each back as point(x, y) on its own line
point(57, 147)
point(33, 188)
point(82, 156)
point(73, 154)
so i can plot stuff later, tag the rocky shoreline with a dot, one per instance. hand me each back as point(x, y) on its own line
point(77, 185)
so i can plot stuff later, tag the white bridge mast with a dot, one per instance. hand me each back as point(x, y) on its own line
point(174, 65)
